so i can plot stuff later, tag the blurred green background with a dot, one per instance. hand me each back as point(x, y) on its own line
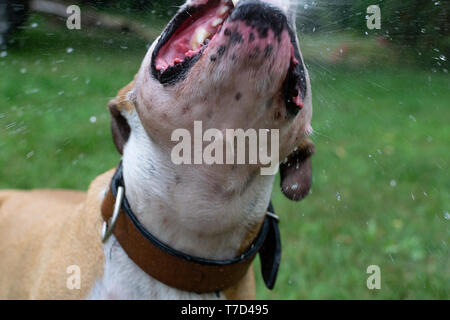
point(381, 119)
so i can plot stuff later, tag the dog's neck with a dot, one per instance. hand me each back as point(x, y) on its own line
point(202, 211)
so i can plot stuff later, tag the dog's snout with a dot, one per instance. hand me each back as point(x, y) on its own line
point(261, 16)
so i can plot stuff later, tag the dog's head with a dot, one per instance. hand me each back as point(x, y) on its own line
point(229, 64)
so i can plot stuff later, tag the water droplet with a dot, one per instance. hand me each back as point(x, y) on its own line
point(3, 54)
point(34, 25)
point(393, 183)
point(69, 50)
point(32, 91)
point(338, 196)
point(446, 215)
point(392, 258)
point(93, 119)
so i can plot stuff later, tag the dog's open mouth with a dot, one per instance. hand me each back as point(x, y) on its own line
point(188, 34)
point(186, 37)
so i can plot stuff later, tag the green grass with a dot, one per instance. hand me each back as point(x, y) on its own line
point(381, 183)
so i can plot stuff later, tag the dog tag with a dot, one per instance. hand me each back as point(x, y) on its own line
point(270, 253)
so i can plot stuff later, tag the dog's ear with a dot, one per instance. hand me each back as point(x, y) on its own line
point(119, 125)
point(296, 172)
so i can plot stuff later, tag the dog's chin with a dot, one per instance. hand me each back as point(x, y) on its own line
point(252, 40)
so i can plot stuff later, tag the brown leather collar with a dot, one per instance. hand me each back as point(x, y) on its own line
point(177, 269)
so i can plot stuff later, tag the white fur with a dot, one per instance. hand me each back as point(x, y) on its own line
point(188, 217)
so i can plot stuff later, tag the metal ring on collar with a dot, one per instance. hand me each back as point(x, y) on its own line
point(108, 230)
point(273, 215)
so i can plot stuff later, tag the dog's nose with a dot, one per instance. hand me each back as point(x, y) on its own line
point(261, 16)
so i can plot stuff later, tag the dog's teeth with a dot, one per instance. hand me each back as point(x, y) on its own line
point(235, 2)
point(223, 11)
point(216, 22)
point(200, 35)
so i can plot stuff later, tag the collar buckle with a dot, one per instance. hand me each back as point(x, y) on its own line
point(107, 231)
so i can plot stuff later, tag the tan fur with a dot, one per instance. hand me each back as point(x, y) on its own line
point(122, 101)
point(42, 233)
point(245, 289)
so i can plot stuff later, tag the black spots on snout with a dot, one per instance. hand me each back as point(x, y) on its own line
point(263, 31)
point(255, 53)
point(238, 96)
point(235, 36)
point(268, 51)
point(221, 50)
point(251, 37)
point(262, 17)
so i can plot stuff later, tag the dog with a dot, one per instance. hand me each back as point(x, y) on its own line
point(229, 64)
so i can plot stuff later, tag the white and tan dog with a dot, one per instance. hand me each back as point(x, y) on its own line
point(229, 66)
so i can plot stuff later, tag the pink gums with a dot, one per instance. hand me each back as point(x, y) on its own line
point(178, 47)
point(298, 100)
